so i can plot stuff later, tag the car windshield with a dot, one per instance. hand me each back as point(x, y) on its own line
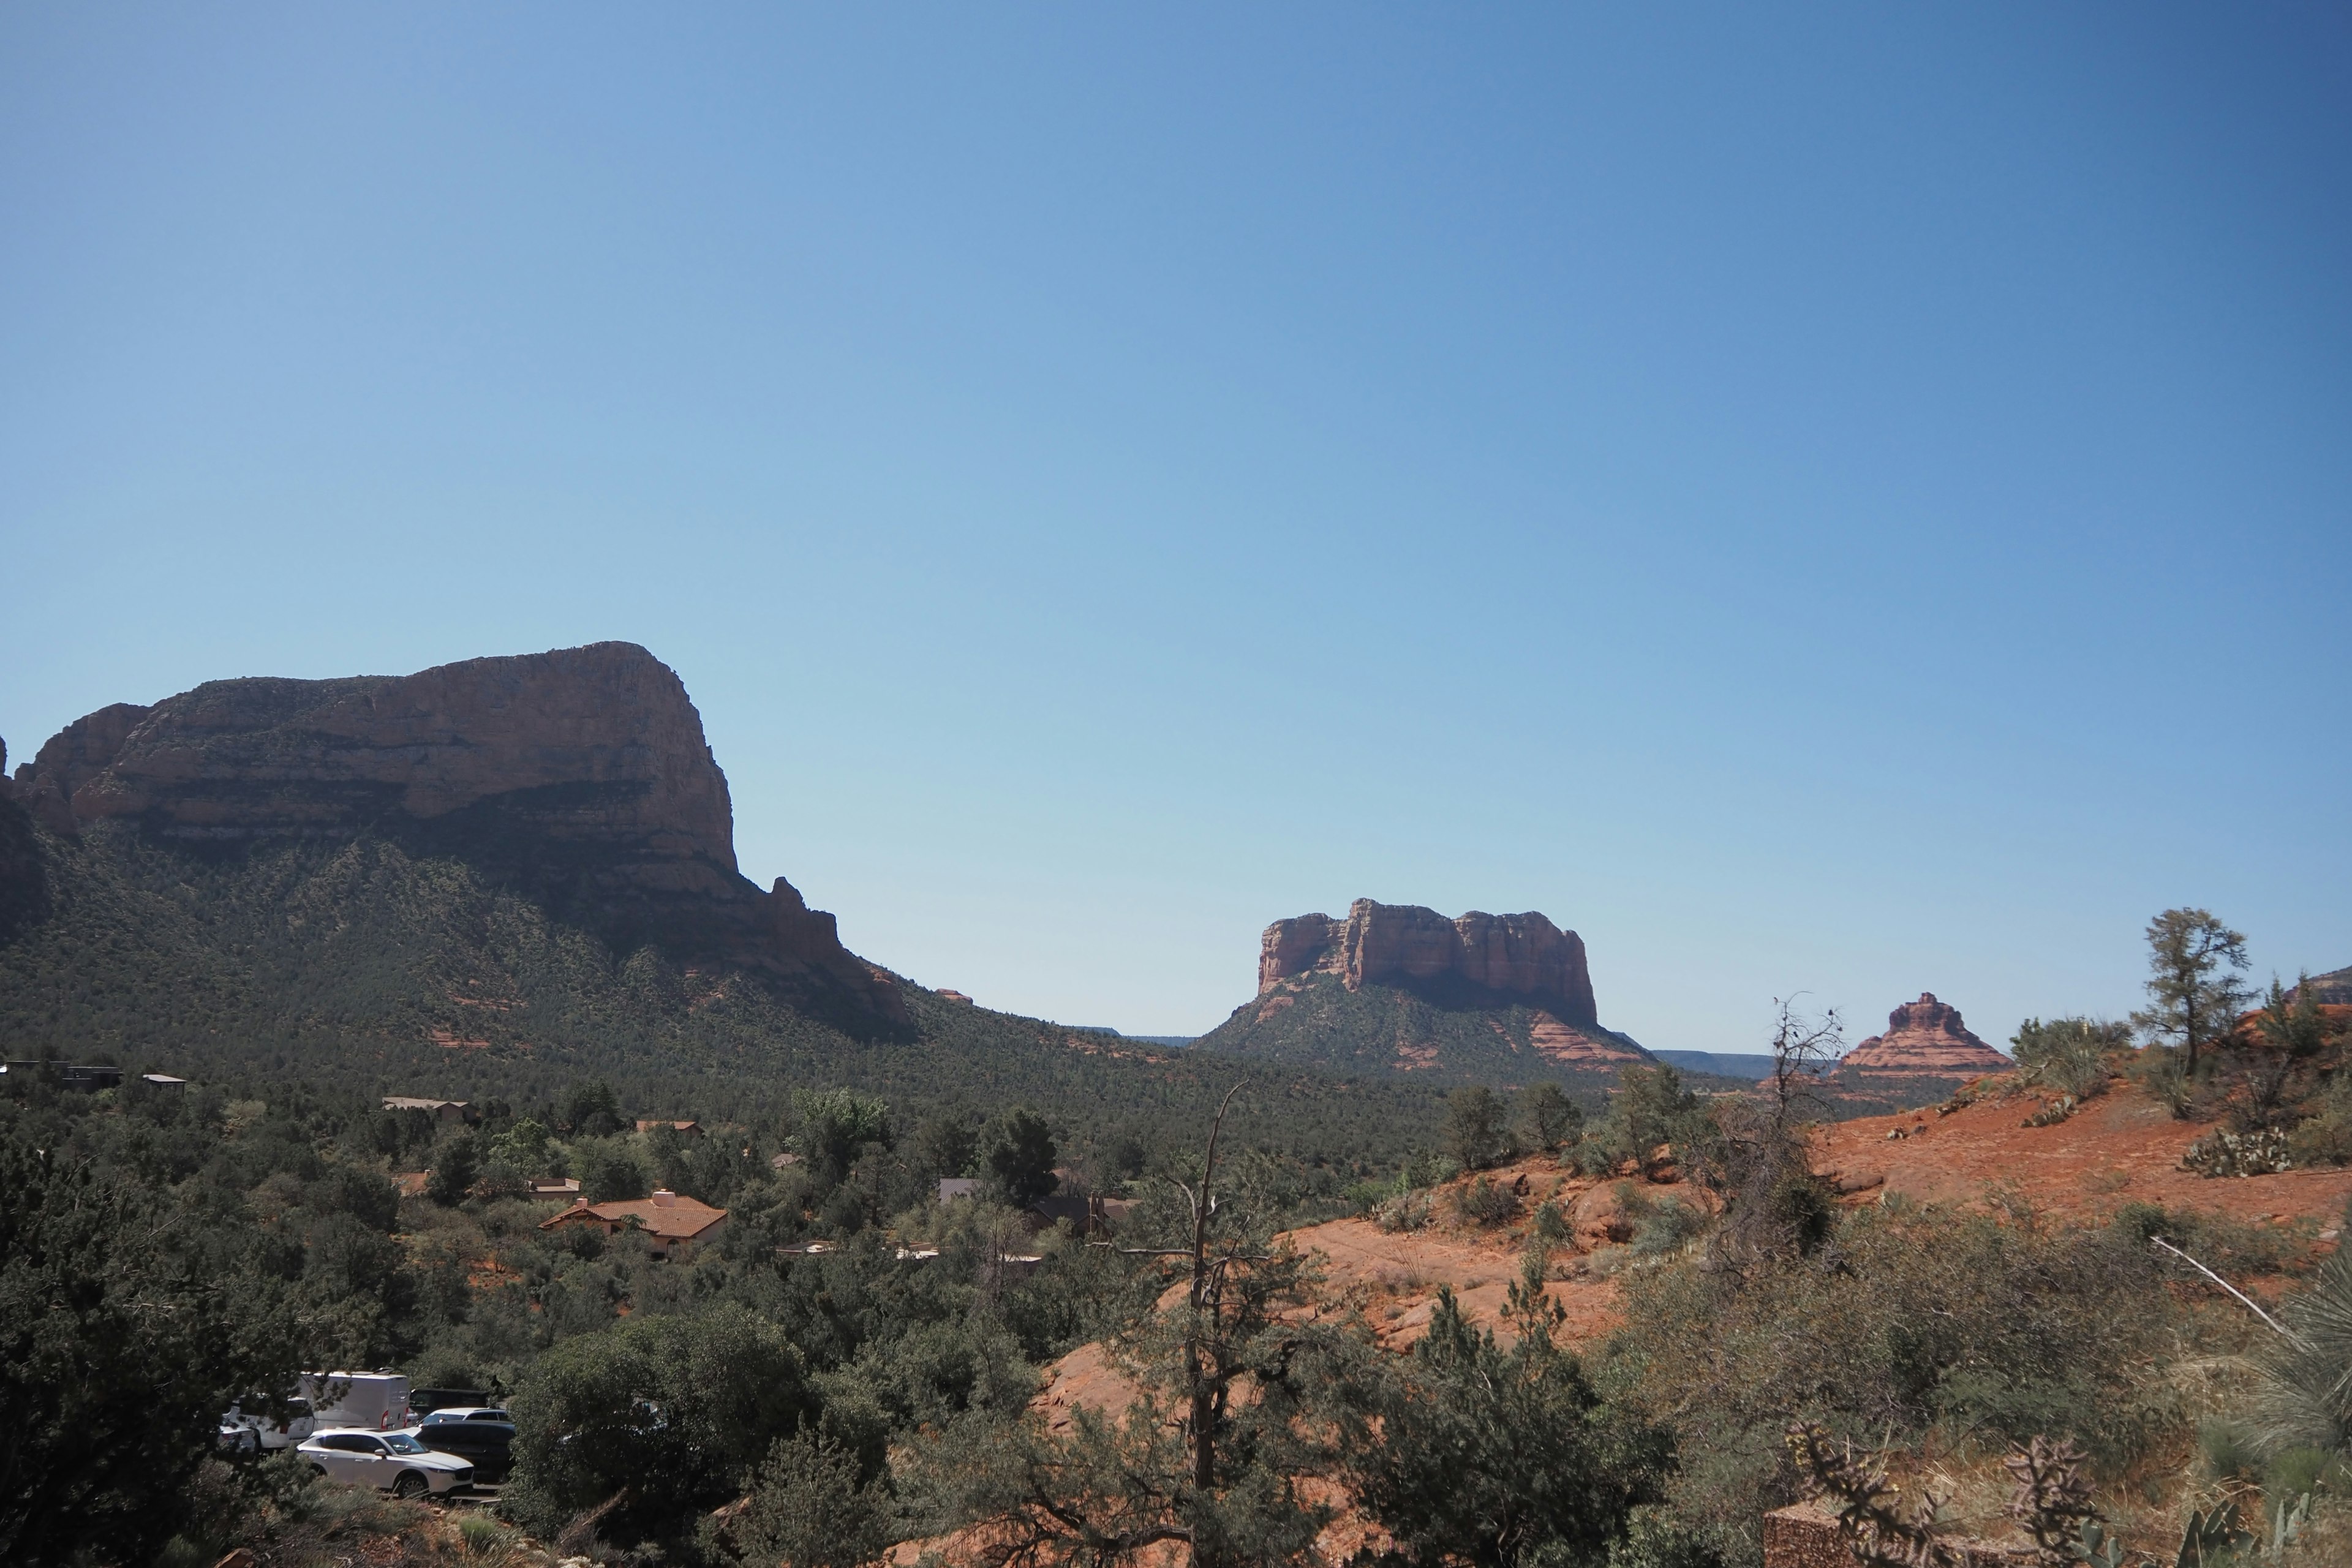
point(402, 1442)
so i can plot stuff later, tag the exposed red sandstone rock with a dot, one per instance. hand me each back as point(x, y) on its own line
point(74, 755)
point(1571, 1047)
point(1924, 1039)
point(584, 769)
point(1522, 955)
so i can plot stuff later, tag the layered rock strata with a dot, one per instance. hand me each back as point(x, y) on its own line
point(1522, 957)
point(581, 775)
point(1924, 1039)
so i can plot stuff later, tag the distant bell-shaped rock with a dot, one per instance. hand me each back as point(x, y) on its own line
point(1924, 1039)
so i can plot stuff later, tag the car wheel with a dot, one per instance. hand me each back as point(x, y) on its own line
point(320, 1471)
point(409, 1485)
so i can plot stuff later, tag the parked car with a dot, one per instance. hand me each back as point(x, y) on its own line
point(424, 1402)
point(269, 1433)
point(486, 1444)
point(466, 1412)
point(393, 1461)
point(232, 1438)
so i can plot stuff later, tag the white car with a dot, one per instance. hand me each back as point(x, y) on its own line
point(393, 1461)
point(267, 1435)
point(464, 1413)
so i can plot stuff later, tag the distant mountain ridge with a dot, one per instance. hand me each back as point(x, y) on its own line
point(1401, 989)
point(493, 880)
point(580, 776)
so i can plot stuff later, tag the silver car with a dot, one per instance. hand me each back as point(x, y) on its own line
point(393, 1461)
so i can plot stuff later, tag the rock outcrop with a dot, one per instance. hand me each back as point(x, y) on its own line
point(581, 774)
point(2333, 989)
point(1524, 956)
point(1924, 1039)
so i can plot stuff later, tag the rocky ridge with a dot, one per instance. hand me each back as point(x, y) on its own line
point(582, 776)
point(1398, 988)
point(2333, 989)
point(1924, 1039)
point(1522, 955)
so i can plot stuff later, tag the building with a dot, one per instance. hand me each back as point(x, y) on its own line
point(953, 1187)
point(674, 1224)
point(65, 1075)
point(440, 1110)
point(683, 1129)
point(163, 1080)
point(555, 1186)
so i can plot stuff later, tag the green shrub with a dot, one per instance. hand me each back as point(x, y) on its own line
point(1497, 1457)
point(1485, 1202)
point(1474, 1133)
point(2293, 1472)
point(483, 1536)
point(1662, 1224)
point(2069, 1055)
point(2225, 1450)
point(1985, 1329)
point(676, 1410)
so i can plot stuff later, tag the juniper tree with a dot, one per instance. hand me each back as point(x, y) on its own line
point(2194, 994)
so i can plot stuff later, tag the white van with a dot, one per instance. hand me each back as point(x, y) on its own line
point(377, 1401)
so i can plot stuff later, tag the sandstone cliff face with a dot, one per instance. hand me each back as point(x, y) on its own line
point(1924, 1039)
point(583, 773)
point(1523, 956)
point(2333, 989)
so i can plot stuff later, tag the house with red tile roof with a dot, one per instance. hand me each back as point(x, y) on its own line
point(674, 1224)
point(683, 1129)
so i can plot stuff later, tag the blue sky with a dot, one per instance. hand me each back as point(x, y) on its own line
point(1841, 499)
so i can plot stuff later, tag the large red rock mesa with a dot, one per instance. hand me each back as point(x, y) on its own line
point(1924, 1039)
point(584, 769)
point(1523, 956)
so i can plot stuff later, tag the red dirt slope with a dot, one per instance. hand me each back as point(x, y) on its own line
point(2118, 1148)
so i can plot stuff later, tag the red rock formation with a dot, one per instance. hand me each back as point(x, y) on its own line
point(1924, 1039)
point(1522, 955)
point(582, 771)
point(74, 755)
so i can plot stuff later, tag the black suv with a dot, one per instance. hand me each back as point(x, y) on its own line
point(486, 1443)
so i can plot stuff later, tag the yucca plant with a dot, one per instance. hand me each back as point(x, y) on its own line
point(2305, 1399)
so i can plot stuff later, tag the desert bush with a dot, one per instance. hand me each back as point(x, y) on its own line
point(1485, 1202)
point(807, 1507)
point(2297, 1471)
point(2069, 1055)
point(1406, 1211)
point(1543, 1118)
point(1476, 1132)
point(2163, 1073)
point(2225, 1450)
point(1494, 1458)
point(1662, 1225)
point(1650, 1108)
point(1901, 1324)
point(2325, 1136)
point(2305, 1398)
point(673, 1410)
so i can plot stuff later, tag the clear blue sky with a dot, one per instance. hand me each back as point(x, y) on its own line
point(1851, 499)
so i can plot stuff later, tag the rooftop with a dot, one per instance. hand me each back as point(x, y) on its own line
point(666, 1214)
